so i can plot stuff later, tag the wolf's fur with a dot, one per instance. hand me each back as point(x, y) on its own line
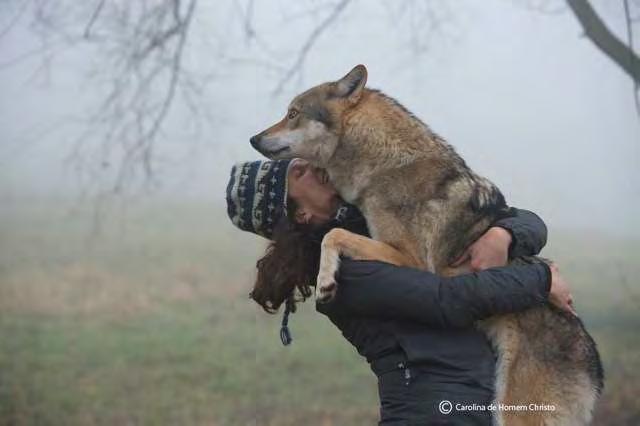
point(422, 200)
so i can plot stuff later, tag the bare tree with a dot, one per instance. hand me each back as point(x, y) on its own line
point(139, 48)
point(145, 42)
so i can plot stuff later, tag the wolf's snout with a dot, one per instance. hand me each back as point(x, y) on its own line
point(255, 140)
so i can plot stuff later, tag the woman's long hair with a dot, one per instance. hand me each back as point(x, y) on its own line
point(290, 262)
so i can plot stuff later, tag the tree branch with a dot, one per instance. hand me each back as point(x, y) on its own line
point(94, 17)
point(16, 17)
point(306, 47)
point(605, 40)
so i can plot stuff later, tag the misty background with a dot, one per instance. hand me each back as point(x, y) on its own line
point(122, 280)
point(523, 97)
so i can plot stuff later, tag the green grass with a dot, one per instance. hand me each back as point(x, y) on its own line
point(186, 364)
point(150, 323)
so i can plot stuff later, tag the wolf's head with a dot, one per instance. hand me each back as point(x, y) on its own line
point(312, 126)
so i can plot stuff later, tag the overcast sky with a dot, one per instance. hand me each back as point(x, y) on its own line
point(523, 97)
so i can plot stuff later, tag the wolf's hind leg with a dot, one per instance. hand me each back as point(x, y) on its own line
point(342, 242)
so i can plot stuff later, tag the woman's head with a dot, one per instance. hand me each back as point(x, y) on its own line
point(259, 193)
point(292, 204)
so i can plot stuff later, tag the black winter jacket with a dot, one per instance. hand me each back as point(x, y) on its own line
point(383, 309)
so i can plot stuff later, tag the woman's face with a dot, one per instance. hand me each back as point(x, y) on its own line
point(315, 199)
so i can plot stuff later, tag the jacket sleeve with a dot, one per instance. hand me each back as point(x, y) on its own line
point(384, 291)
point(528, 232)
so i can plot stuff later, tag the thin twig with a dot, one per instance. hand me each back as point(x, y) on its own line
point(311, 40)
point(93, 19)
point(16, 18)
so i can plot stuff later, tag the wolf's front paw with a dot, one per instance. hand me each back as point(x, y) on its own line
point(326, 289)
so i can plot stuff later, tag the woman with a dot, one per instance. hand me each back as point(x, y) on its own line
point(414, 328)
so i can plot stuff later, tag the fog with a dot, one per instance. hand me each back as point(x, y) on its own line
point(143, 316)
point(522, 96)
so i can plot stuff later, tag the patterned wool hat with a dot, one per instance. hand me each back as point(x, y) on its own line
point(257, 195)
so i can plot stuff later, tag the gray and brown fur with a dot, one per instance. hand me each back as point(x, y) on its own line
point(423, 207)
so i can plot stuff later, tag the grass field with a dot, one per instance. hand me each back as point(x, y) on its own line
point(150, 323)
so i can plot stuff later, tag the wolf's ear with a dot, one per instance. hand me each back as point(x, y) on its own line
point(350, 86)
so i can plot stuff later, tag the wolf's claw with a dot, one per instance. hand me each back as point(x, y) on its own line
point(326, 292)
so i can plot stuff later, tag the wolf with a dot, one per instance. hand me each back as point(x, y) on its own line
point(424, 206)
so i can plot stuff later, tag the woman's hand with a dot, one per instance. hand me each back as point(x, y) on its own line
point(559, 293)
point(489, 251)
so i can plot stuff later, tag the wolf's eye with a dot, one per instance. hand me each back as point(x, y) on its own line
point(292, 114)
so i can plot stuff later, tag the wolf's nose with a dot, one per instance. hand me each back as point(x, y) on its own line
point(254, 141)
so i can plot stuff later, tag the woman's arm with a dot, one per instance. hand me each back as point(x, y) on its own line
point(523, 234)
point(381, 290)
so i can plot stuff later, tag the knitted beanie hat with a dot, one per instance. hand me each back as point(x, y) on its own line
point(257, 195)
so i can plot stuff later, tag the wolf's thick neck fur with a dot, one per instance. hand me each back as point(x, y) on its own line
point(381, 141)
point(379, 135)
